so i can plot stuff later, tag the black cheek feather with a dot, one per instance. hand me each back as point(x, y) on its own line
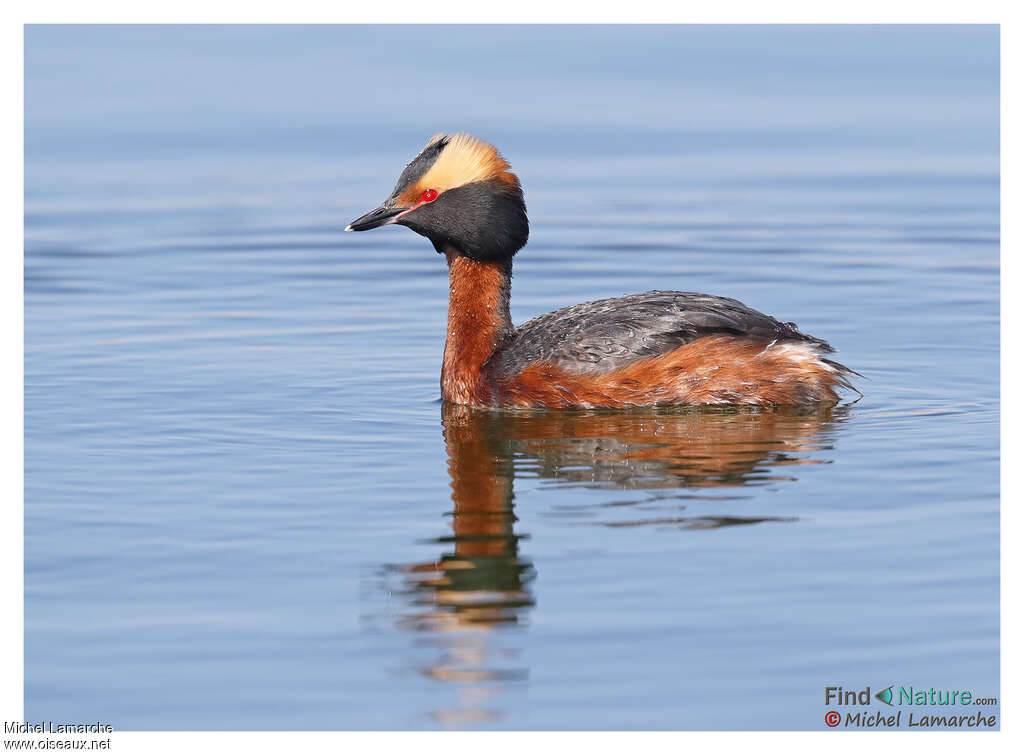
point(485, 220)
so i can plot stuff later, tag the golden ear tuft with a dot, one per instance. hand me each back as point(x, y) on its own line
point(464, 160)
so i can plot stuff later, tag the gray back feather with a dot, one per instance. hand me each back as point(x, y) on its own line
point(604, 335)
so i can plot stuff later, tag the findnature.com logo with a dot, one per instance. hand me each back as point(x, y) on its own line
point(894, 696)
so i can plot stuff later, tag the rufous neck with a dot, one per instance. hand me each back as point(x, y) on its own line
point(478, 319)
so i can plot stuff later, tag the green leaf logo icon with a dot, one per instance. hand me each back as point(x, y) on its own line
point(885, 695)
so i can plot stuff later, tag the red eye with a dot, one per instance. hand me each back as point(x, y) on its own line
point(428, 196)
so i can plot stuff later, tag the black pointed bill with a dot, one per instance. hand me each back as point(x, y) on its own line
point(376, 218)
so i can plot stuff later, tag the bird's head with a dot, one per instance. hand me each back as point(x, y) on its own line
point(459, 193)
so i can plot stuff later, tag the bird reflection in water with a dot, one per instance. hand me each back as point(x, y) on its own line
point(484, 583)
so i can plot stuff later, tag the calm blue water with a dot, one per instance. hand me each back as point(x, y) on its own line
point(246, 507)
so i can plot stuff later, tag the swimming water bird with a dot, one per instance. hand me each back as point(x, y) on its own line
point(655, 348)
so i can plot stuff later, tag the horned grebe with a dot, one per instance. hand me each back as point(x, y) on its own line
point(655, 348)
